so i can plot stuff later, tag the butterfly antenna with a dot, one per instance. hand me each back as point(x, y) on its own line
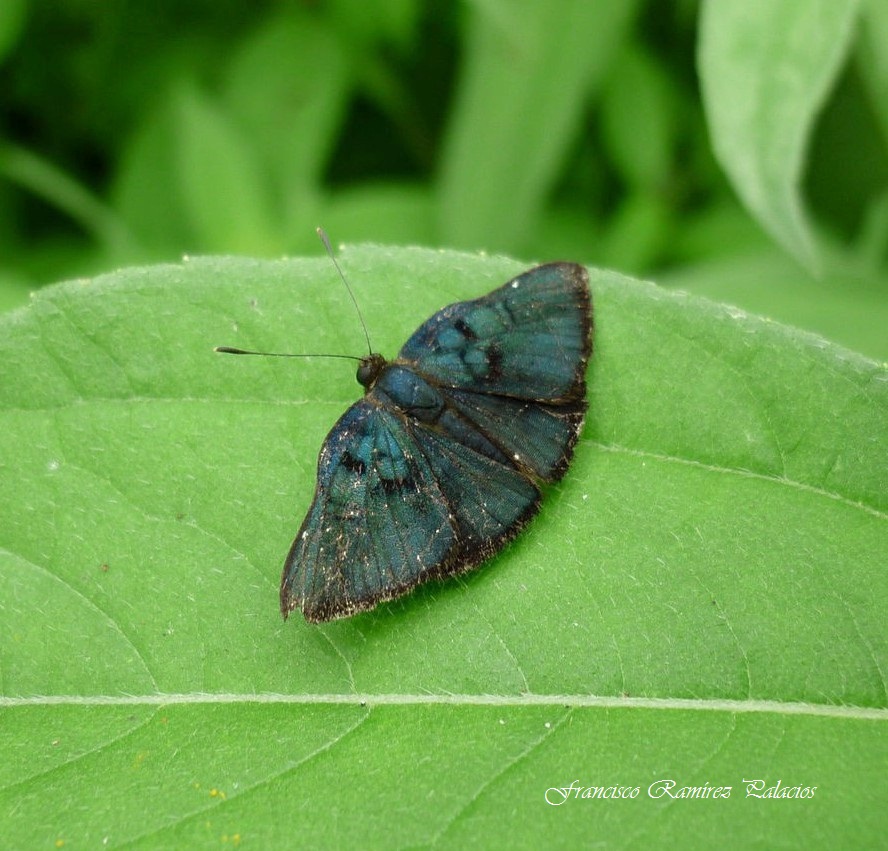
point(230, 350)
point(323, 237)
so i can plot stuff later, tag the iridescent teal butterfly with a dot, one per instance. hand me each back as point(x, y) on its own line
point(441, 463)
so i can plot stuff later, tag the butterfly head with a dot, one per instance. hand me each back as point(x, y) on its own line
point(369, 369)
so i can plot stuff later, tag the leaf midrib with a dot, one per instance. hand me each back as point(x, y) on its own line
point(515, 701)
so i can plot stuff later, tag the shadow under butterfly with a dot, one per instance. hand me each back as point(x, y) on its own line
point(441, 463)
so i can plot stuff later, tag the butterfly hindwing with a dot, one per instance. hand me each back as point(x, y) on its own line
point(538, 437)
point(489, 501)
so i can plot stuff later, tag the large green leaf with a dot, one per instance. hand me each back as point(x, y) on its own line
point(702, 599)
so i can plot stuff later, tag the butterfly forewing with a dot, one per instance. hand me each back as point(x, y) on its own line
point(378, 522)
point(529, 339)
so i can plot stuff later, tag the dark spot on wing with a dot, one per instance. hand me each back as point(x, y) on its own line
point(352, 463)
point(463, 327)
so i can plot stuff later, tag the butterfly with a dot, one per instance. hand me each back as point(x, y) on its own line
point(441, 463)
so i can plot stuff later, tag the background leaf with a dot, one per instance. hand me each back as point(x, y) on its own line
point(766, 69)
point(702, 598)
point(873, 61)
point(184, 129)
point(287, 86)
point(519, 104)
point(221, 185)
point(12, 18)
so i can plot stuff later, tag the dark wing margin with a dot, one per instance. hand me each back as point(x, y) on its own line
point(378, 524)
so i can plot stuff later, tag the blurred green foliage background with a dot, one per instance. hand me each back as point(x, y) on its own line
point(135, 133)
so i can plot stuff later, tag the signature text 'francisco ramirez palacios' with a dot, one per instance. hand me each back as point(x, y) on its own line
point(667, 788)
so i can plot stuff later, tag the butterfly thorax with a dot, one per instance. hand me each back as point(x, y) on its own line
point(369, 369)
